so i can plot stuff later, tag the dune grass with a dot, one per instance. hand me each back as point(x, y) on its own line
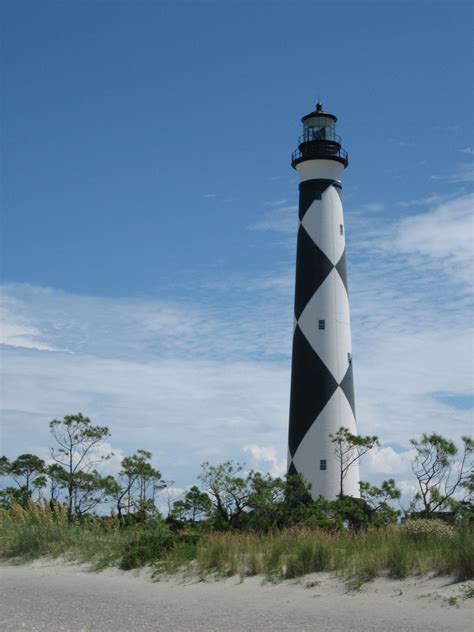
point(36, 531)
point(366, 555)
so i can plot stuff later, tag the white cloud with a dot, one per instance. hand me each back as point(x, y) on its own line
point(281, 219)
point(429, 200)
point(374, 207)
point(467, 150)
point(464, 173)
point(411, 305)
point(280, 202)
point(444, 235)
point(15, 332)
point(194, 382)
point(146, 329)
point(401, 143)
point(384, 463)
point(266, 459)
point(183, 411)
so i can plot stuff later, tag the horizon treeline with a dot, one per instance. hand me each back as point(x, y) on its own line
point(227, 497)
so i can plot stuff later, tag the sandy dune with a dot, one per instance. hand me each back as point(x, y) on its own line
point(59, 597)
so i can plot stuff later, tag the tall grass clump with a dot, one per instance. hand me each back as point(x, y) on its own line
point(38, 529)
point(421, 546)
point(34, 530)
point(395, 551)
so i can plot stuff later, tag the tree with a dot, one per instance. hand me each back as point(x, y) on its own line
point(195, 506)
point(91, 489)
point(440, 472)
point(349, 448)
point(4, 466)
point(265, 502)
point(137, 485)
point(27, 470)
point(378, 499)
point(77, 455)
point(58, 479)
point(297, 504)
point(228, 490)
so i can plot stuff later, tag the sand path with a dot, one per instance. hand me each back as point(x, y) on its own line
point(59, 597)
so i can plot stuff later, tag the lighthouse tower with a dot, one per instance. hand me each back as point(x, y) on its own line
point(322, 391)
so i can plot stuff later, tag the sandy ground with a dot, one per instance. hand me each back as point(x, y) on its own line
point(47, 595)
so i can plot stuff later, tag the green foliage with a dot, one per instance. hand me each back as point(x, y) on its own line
point(238, 523)
point(441, 472)
point(27, 471)
point(351, 513)
point(309, 557)
point(265, 502)
point(349, 448)
point(146, 546)
point(11, 495)
point(195, 506)
point(462, 556)
point(4, 466)
point(37, 529)
point(75, 455)
point(136, 486)
point(228, 490)
point(399, 562)
point(378, 499)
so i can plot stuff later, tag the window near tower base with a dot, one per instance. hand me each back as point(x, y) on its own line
point(322, 464)
point(341, 229)
point(349, 358)
point(322, 324)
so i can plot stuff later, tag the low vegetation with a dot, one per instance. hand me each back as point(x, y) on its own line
point(237, 522)
point(423, 546)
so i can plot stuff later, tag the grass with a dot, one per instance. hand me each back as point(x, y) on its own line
point(363, 556)
point(35, 531)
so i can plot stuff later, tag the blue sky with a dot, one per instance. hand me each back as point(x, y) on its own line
point(149, 219)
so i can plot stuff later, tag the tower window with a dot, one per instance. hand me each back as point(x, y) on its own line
point(321, 324)
point(323, 464)
point(341, 229)
point(349, 358)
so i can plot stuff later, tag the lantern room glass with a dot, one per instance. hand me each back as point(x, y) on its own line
point(320, 127)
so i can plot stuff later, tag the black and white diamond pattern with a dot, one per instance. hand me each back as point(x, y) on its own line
point(322, 392)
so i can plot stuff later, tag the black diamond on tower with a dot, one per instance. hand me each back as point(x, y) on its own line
point(312, 386)
point(313, 267)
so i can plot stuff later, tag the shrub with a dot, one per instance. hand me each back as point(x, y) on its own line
point(146, 546)
point(424, 529)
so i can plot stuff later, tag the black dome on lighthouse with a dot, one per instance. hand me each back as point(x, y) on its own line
point(319, 112)
point(319, 140)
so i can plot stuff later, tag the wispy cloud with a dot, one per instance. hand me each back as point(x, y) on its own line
point(464, 173)
point(429, 200)
point(275, 203)
point(441, 238)
point(15, 331)
point(400, 142)
point(280, 219)
point(374, 207)
point(195, 381)
point(467, 150)
point(183, 411)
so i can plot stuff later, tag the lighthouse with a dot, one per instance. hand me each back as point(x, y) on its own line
point(322, 389)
